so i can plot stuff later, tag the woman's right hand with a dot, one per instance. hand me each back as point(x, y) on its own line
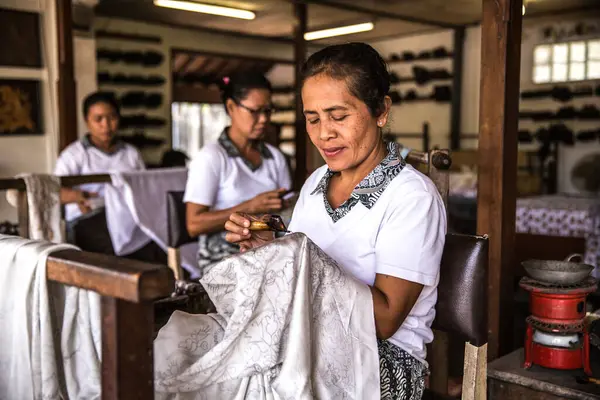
point(237, 228)
point(265, 203)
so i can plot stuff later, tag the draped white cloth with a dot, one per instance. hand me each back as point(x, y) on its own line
point(43, 202)
point(50, 346)
point(290, 325)
point(136, 211)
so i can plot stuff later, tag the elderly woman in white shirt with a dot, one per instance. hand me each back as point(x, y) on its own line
point(379, 218)
point(240, 173)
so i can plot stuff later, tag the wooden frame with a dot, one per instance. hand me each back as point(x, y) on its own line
point(128, 289)
point(66, 181)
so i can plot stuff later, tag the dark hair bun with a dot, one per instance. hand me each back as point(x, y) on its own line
point(236, 87)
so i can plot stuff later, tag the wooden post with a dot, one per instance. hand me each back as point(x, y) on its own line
point(129, 289)
point(300, 14)
point(66, 88)
point(127, 354)
point(23, 214)
point(457, 73)
point(496, 205)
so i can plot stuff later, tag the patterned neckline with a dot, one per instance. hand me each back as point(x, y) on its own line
point(369, 190)
point(87, 143)
point(233, 152)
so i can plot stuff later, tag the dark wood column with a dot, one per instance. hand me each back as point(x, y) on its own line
point(66, 89)
point(499, 107)
point(300, 14)
point(457, 73)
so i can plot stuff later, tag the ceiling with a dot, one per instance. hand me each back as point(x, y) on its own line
point(191, 67)
point(274, 18)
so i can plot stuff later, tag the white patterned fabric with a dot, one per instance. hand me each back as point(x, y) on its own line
point(290, 325)
point(566, 216)
point(50, 346)
point(43, 202)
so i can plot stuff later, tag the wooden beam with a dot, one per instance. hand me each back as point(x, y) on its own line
point(118, 277)
point(66, 88)
point(231, 56)
point(381, 14)
point(179, 61)
point(195, 63)
point(300, 21)
point(457, 73)
point(498, 119)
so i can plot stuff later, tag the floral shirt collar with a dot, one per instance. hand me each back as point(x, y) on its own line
point(233, 151)
point(369, 190)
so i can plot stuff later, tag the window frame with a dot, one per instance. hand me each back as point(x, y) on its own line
point(551, 63)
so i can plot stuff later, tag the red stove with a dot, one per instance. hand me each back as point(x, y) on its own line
point(556, 334)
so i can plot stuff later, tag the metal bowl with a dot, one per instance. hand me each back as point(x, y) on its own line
point(558, 272)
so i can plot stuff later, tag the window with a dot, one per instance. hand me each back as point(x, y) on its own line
point(567, 62)
point(195, 125)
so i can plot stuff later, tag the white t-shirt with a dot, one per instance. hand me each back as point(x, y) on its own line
point(219, 178)
point(393, 224)
point(83, 158)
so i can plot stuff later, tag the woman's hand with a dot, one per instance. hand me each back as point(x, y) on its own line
point(237, 228)
point(83, 202)
point(265, 203)
point(79, 197)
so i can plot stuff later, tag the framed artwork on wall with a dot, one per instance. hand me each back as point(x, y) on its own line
point(20, 107)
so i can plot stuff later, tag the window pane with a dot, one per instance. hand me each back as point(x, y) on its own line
point(541, 74)
point(559, 53)
point(542, 55)
point(594, 50)
point(577, 51)
point(559, 72)
point(577, 72)
point(593, 70)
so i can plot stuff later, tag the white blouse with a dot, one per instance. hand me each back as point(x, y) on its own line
point(83, 158)
point(393, 224)
point(220, 178)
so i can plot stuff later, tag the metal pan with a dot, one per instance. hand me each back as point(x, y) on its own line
point(564, 272)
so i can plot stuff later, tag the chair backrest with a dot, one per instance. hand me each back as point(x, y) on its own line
point(176, 221)
point(461, 309)
point(462, 292)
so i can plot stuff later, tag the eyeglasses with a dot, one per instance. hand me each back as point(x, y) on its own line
point(267, 111)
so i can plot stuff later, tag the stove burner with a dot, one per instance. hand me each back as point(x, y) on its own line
point(588, 285)
point(555, 327)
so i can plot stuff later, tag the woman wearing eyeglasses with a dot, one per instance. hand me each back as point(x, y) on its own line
point(240, 173)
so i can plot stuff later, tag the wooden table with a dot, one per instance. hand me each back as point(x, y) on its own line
point(507, 379)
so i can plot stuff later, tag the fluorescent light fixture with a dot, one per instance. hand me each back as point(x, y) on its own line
point(342, 30)
point(523, 10)
point(205, 8)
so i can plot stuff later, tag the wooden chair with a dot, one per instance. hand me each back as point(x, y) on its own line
point(177, 231)
point(462, 296)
